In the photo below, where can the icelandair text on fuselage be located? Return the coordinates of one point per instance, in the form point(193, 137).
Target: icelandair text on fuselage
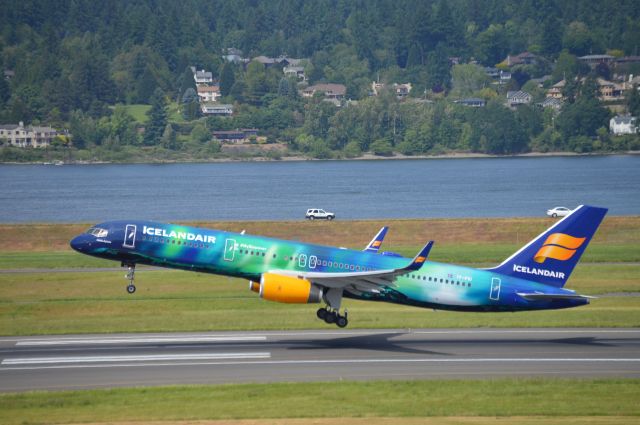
point(539, 272)
point(152, 231)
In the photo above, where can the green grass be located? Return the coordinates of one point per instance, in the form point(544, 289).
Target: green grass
point(138, 112)
point(502, 398)
point(51, 260)
point(166, 300)
point(457, 254)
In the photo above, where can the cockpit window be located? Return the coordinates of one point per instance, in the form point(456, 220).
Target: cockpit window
point(98, 232)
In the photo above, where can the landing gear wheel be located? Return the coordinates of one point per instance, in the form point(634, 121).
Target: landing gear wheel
point(322, 313)
point(331, 317)
point(342, 322)
point(130, 276)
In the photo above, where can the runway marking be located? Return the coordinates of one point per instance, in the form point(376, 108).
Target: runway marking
point(328, 361)
point(139, 358)
point(130, 340)
point(311, 333)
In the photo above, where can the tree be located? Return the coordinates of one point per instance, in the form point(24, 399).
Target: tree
point(168, 139)
point(633, 101)
point(577, 38)
point(5, 92)
point(582, 118)
point(256, 82)
point(227, 79)
point(567, 66)
point(467, 79)
point(157, 119)
point(381, 147)
point(190, 105)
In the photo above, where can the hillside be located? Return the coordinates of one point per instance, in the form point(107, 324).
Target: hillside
point(330, 78)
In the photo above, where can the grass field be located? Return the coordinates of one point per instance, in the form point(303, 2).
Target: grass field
point(475, 401)
point(138, 112)
point(77, 301)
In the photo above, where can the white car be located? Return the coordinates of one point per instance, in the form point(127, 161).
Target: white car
point(558, 212)
point(317, 213)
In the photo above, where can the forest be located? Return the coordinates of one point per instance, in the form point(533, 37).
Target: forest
point(91, 68)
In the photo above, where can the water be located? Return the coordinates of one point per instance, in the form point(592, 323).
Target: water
point(492, 187)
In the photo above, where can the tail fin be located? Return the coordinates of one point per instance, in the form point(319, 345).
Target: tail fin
point(375, 243)
point(551, 257)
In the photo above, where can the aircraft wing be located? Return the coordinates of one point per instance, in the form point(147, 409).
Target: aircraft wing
point(367, 281)
point(540, 296)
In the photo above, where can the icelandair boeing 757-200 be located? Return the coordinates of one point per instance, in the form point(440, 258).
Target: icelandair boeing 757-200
point(294, 272)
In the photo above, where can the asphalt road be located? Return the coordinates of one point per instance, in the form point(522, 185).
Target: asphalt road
point(98, 361)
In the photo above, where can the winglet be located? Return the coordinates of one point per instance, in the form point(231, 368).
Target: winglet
point(375, 243)
point(419, 259)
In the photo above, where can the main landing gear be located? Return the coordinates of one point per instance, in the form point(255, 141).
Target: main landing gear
point(333, 316)
point(331, 313)
point(130, 276)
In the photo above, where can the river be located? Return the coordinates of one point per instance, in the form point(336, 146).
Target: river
point(425, 188)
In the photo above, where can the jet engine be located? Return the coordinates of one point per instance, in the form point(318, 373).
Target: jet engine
point(286, 289)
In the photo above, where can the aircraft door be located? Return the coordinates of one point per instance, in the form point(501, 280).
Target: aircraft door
point(229, 249)
point(129, 236)
point(495, 289)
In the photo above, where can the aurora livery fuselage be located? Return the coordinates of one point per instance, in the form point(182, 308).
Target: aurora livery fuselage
point(289, 271)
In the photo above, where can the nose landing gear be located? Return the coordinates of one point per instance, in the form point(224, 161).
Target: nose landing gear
point(130, 276)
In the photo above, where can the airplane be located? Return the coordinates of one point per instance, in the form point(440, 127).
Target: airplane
point(533, 278)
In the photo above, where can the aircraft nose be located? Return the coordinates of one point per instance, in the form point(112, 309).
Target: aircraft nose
point(78, 243)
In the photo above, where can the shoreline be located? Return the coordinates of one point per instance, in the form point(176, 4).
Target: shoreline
point(364, 157)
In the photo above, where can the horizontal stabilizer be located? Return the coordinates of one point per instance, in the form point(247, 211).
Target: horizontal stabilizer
point(538, 296)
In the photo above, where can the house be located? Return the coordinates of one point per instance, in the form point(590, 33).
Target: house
point(551, 102)
point(9, 74)
point(595, 60)
point(540, 81)
point(524, 58)
point(243, 135)
point(556, 90)
point(515, 98)
point(623, 124)
point(233, 55)
point(474, 102)
point(609, 90)
point(294, 71)
point(266, 61)
point(27, 137)
point(505, 77)
point(330, 91)
point(401, 90)
point(202, 77)
point(282, 61)
point(216, 109)
point(209, 93)
point(492, 72)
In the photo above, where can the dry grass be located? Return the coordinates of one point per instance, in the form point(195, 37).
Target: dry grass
point(614, 230)
point(445, 420)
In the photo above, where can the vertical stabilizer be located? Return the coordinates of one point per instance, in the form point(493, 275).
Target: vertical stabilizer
point(551, 257)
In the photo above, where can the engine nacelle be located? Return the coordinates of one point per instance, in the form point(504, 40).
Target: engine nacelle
point(287, 289)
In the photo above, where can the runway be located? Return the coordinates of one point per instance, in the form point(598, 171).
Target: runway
point(101, 361)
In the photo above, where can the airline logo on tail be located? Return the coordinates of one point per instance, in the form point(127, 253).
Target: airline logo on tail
point(558, 246)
